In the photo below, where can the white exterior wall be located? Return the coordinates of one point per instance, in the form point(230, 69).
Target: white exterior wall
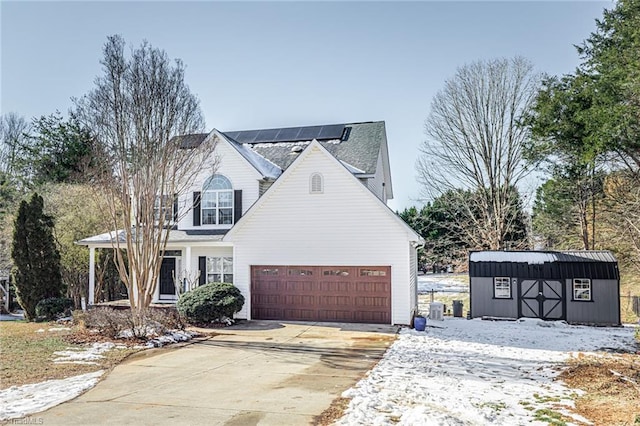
point(375, 183)
point(234, 167)
point(344, 225)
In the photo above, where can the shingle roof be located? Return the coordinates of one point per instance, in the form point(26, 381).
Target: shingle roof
point(540, 257)
point(191, 141)
point(359, 147)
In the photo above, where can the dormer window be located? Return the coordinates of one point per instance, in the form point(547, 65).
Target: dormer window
point(316, 184)
point(217, 201)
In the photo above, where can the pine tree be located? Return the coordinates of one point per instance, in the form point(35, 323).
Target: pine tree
point(36, 259)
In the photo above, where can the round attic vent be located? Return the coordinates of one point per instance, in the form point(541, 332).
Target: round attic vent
point(297, 148)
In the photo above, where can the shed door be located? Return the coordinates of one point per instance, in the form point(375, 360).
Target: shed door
point(544, 299)
point(321, 293)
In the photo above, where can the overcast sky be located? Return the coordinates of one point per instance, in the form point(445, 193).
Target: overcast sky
point(281, 64)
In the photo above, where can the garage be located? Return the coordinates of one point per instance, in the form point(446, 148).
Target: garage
point(321, 293)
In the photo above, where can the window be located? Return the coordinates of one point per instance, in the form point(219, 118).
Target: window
point(372, 273)
point(582, 289)
point(266, 271)
point(336, 272)
point(163, 207)
point(217, 201)
point(315, 184)
point(501, 288)
point(300, 272)
point(219, 269)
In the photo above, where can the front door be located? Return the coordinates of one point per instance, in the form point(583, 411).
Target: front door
point(544, 299)
point(167, 270)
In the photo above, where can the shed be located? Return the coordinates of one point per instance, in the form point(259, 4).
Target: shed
point(581, 287)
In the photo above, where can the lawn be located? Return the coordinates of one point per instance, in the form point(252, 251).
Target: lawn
point(27, 353)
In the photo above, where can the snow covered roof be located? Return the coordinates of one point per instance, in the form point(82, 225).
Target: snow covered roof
point(541, 257)
point(265, 167)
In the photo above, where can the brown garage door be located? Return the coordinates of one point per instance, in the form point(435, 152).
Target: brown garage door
point(321, 293)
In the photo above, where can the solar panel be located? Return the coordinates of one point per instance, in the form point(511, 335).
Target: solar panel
point(308, 133)
point(288, 134)
point(248, 136)
point(266, 135)
point(333, 131)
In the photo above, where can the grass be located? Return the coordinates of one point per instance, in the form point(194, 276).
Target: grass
point(27, 353)
point(610, 398)
point(550, 417)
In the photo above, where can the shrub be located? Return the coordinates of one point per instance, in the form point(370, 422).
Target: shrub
point(54, 307)
point(115, 323)
point(210, 302)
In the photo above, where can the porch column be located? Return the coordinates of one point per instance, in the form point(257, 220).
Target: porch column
point(92, 275)
point(186, 264)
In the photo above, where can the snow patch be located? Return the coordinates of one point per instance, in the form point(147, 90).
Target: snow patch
point(83, 355)
point(19, 401)
point(474, 372)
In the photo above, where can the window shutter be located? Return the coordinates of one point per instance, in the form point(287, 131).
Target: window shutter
point(196, 209)
point(202, 267)
point(237, 205)
point(175, 208)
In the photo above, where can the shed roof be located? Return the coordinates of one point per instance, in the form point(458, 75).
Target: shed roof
point(541, 257)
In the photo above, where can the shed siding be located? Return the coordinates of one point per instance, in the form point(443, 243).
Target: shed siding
point(483, 303)
point(232, 165)
point(344, 225)
point(604, 309)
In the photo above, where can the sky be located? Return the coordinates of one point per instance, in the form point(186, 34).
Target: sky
point(283, 64)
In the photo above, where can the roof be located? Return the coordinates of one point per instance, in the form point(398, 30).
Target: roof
point(271, 151)
point(265, 167)
point(174, 236)
point(541, 257)
point(358, 146)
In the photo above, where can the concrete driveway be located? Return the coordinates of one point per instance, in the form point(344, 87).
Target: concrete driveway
point(256, 372)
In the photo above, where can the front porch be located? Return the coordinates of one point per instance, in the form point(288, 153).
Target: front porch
point(191, 258)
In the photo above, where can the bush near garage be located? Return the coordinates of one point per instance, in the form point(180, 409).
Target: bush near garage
point(211, 302)
point(53, 308)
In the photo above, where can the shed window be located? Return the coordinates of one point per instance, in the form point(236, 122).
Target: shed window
point(502, 288)
point(316, 184)
point(582, 289)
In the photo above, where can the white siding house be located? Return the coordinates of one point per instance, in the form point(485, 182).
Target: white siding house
point(301, 227)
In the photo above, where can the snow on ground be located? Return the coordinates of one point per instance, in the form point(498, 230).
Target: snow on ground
point(475, 372)
point(87, 355)
point(447, 283)
point(19, 401)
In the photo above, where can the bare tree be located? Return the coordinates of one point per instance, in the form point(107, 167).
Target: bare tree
point(138, 106)
point(13, 133)
point(476, 145)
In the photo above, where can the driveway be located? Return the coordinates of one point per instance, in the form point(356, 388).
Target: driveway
point(256, 372)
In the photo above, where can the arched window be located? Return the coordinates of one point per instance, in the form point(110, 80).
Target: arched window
point(315, 184)
point(217, 201)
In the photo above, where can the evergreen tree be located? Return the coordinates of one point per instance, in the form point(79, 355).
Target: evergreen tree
point(36, 272)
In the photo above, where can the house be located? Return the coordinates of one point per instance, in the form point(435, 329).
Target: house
point(581, 287)
point(297, 219)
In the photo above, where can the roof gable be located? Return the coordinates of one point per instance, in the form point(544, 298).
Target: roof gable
point(335, 166)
